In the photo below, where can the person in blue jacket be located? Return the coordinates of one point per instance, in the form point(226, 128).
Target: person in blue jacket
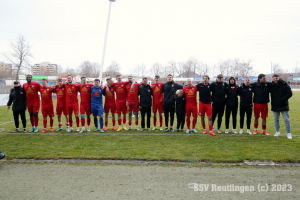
point(96, 104)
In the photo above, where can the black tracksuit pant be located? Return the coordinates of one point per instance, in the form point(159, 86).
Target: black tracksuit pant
point(16, 118)
point(218, 109)
point(180, 120)
point(231, 109)
point(145, 110)
point(169, 109)
point(248, 111)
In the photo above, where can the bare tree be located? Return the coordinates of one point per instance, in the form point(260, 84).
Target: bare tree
point(142, 69)
point(137, 71)
point(221, 67)
point(113, 69)
point(246, 68)
point(85, 68)
point(19, 55)
point(156, 69)
point(181, 68)
point(172, 67)
point(277, 69)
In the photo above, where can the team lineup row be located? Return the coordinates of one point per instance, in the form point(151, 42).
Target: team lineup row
point(124, 97)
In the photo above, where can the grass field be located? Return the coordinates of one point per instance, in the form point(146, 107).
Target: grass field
point(155, 145)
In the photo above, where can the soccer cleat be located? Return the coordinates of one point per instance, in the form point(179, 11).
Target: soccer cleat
point(77, 129)
point(110, 116)
point(133, 116)
point(249, 132)
point(36, 130)
point(218, 131)
point(187, 131)
point(265, 133)
point(254, 132)
point(129, 128)
point(31, 130)
point(114, 128)
point(142, 129)
point(17, 130)
point(71, 128)
point(96, 130)
point(161, 128)
point(106, 128)
point(289, 136)
point(59, 129)
point(82, 130)
point(194, 130)
point(177, 130)
point(68, 129)
point(154, 128)
point(227, 131)
point(101, 130)
point(137, 129)
point(124, 127)
point(204, 131)
point(241, 131)
point(51, 129)
point(166, 129)
point(2, 155)
point(181, 130)
point(119, 129)
point(149, 129)
point(44, 131)
point(277, 134)
point(212, 133)
point(234, 131)
point(213, 128)
point(171, 129)
point(24, 130)
point(88, 128)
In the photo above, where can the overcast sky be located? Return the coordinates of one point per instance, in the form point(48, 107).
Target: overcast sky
point(68, 32)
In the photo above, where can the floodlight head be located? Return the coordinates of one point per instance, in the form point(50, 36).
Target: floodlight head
point(112, 0)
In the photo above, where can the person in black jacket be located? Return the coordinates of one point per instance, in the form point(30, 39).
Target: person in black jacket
point(218, 89)
point(17, 97)
point(145, 92)
point(280, 94)
point(169, 89)
point(180, 109)
point(245, 92)
point(261, 90)
point(231, 104)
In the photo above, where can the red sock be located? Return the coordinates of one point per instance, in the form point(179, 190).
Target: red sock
point(32, 121)
point(255, 125)
point(129, 123)
point(89, 120)
point(71, 122)
point(210, 127)
point(203, 126)
point(124, 120)
point(82, 122)
point(106, 123)
point(264, 127)
point(36, 122)
point(51, 123)
point(45, 123)
point(194, 122)
point(154, 121)
point(119, 122)
point(188, 122)
point(77, 121)
point(136, 123)
point(160, 120)
point(68, 124)
point(114, 122)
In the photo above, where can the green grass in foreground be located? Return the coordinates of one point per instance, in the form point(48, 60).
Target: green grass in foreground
point(151, 147)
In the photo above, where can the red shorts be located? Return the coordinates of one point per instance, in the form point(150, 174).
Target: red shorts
point(85, 108)
point(111, 106)
point(34, 108)
point(72, 107)
point(191, 109)
point(47, 110)
point(205, 108)
point(121, 107)
point(260, 108)
point(61, 109)
point(133, 106)
point(158, 106)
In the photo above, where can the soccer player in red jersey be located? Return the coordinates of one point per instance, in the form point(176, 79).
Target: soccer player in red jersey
point(85, 103)
point(132, 101)
point(61, 103)
point(191, 104)
point(47, 104)
point(120, 89)
point(72, 102)
point(33, 102)
point(110, 103)
point(157, 102)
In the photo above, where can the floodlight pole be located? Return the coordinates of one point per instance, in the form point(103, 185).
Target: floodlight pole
point(105, 39)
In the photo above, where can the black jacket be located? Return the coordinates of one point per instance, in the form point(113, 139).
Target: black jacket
point(218, 92)
point(280, 94)
point(169, 89)
point(232, 92)
point(261, 92)
point(145, 93)
point(17, 97)
point(180, 105)
point(245, 93)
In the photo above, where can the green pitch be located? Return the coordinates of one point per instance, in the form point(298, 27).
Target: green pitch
point(154, 145)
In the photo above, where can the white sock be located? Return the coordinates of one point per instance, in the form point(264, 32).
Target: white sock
point(136, 126)
point(124, 124)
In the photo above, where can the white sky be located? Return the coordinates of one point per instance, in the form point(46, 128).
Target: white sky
point(68, 32)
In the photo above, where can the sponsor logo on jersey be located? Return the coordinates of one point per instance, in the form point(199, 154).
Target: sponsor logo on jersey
point(191, 93)
point(29, 90)
point(97, 93)
point(249, 89)
point(69, 91)
point(33, 86)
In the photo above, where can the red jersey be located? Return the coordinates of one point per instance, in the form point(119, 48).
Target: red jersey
point(61, 95)
point(157, 92)
point(120, 90)
point(46, 94)
point(133, 96)
point(110, 96)
point(71, 93)
point(85, 92)
point(32, 92)
point(190, 95)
